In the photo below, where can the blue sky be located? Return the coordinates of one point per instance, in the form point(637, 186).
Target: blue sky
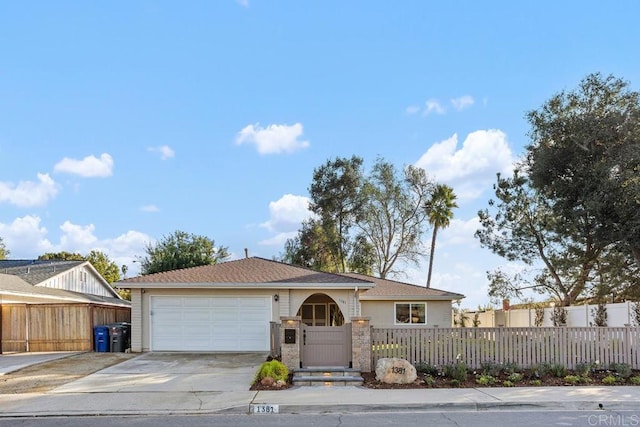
point(121, 122)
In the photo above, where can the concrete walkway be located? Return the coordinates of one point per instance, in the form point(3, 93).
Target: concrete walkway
point(196, 384)
point(316, 400)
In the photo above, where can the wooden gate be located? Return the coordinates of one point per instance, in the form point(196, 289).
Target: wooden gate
point(326, 345)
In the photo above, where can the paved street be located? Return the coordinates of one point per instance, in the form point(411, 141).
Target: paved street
point(441, 418)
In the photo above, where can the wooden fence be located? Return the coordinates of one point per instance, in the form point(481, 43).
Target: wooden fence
point(55, 327)
point(525, 347)
point(274, 338)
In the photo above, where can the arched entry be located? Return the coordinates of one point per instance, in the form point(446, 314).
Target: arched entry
point(320, 310)
point(326, 338)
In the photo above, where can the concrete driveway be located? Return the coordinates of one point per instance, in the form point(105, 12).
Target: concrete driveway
point(173, 372)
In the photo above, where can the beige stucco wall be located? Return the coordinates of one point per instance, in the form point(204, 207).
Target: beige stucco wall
point(342, 297)
point(382, 315)
point(289, 301)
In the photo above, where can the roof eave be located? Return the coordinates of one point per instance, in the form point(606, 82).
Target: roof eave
point(63, 298)
point(268, 285)
point(410, 297)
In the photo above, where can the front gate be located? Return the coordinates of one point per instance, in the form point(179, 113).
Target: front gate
point(326, 345)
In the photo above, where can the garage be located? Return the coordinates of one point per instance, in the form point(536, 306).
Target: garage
point(190, 323)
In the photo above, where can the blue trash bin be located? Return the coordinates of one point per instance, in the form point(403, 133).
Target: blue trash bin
point(101, 338)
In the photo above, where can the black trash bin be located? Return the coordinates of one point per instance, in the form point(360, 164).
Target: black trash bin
point(116, 338)
point(101, 338)
point(126, 331)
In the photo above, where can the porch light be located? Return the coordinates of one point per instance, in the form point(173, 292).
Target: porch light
point(276, 297)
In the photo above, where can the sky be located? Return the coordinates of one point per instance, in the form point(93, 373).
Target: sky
point(122, 122)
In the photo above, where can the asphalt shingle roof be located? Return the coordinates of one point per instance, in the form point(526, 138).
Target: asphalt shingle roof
point(35, 271)
point(394, 289)
point(257, 270)
point(246, 270)
point(14, 285)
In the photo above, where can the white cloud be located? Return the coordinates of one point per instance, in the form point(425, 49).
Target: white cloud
point(29, 193)
point(89, 167)
point(149, 208)
point(285, 217)
point(412, 109)
point(77, 236)
point(25, 237)
point(243, 3)
point(459, 232)
point(462, 102)
point(472, 169)
point(433, 106)
point(164, 151)
point(287, 213)
point(273, 139)
point(279, 239)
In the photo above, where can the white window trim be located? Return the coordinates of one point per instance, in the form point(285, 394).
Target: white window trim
point(410, 323)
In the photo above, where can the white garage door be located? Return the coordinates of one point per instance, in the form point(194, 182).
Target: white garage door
point(210, 323)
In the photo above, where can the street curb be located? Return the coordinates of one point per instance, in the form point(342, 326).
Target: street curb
point(294, 409)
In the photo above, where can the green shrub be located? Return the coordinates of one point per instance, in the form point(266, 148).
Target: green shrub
point(584, 369)
point(536, 382)
point(515, 377)
point(456, 371)
point(507, 383)
point(510, 368)
point(635, 380)
point(455, 383)
point(490, 367)
point(426, 368)
point(622, 369)
point(558, 370)
point(609, 380)
point(542, 369)
point(573, 379)
point(484, 379)
point(429, 380)
point(274, 369)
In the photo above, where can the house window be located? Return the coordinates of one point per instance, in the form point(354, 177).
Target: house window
point(411, 313)
point(314, 314)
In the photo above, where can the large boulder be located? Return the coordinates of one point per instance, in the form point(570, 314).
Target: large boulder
point(395, 371)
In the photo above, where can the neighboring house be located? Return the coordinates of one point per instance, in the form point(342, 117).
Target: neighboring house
point(54, 305)
point(231, 306)
point(50, 281)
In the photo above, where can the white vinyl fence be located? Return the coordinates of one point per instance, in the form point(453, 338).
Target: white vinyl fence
point(525, 347)
point(618, 314)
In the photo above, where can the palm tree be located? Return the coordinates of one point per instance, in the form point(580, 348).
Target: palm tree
point(440, 211)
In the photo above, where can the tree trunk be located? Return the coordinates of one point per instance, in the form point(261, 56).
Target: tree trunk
point(433, 249)
point(635, 250)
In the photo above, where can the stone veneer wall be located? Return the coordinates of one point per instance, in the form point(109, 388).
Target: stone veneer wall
point(361, 343)
point(290, 352)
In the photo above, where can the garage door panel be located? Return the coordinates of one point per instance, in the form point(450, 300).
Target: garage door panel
point(223, 314)
point(195, 303)
point(252, 316)
point(196, 315)
point(210, 323)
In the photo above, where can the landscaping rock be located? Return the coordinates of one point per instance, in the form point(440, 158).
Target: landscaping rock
point(395, 371)
point(267, 381)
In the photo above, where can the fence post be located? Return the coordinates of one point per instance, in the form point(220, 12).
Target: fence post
point(627, 346)
point(291, 356)
point(361, 343)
